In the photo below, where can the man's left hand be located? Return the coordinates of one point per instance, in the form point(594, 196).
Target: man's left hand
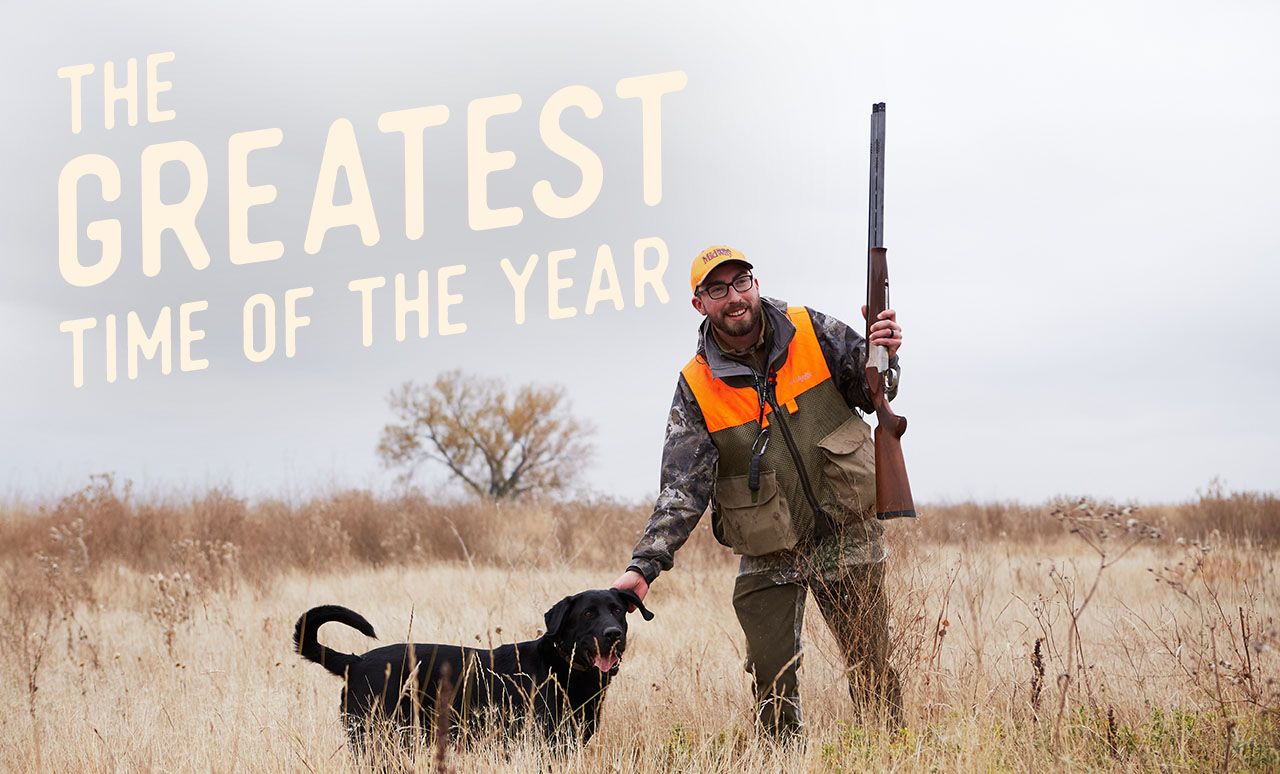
point(886, 332)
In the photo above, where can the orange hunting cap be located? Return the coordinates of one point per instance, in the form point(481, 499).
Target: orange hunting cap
point(710, 258)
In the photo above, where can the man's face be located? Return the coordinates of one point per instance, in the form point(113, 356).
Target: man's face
point(736, 315)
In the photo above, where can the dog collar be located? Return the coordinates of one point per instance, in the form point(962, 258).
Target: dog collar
point(568, 657)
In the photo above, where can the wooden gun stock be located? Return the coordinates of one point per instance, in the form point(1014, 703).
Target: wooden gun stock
point(893, 490)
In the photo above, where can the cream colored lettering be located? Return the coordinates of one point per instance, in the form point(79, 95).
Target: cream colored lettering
point(155, 86)
point(113, 92)
point(604, 270)
point(159, 341)
point(341, 153)
point(519, 283)
point(652, 277)
point(649, 90)
point(186, 335)
point(180, 216)
point(139, 343)
point(556, 140)
point(481, 162)
point(411, 124)
point(555, 283)
point(77, 328)
point(604, 287)
point(365, 288)
point(267, 304)
point(107, 232)
point(128, 93)
point(446, 300)
point(419, 305)
point(292, 320)
point(76, 74)
point(111, 349)
point(241, 196)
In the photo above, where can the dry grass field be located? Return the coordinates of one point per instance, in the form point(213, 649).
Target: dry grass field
point(156, 636)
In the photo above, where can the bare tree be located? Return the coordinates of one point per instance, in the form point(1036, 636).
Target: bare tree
point(501, 444)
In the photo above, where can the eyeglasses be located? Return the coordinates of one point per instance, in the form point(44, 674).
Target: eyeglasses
point(741, 283)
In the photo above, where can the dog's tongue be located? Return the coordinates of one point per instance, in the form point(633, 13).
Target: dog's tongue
point(605, 663)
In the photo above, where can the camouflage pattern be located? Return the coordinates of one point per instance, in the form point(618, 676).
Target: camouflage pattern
point(689, 460)
point(846, 354)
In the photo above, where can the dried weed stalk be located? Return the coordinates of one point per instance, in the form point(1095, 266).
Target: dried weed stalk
point(1111, 532)
point(1227, 652)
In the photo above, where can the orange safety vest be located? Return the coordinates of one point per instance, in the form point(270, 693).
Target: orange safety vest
point(724, 406)
point(778, 514)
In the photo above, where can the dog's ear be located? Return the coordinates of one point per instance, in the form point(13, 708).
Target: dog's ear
point(554, 617)
point(631, 597)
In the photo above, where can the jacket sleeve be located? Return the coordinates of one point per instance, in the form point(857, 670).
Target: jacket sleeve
point(689, 461)
point(845, 351)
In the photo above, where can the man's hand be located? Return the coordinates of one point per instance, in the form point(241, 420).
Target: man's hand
point(634, 581)
point(885, 332)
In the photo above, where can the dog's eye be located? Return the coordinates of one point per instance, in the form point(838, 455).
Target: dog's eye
point(615, 610)
point(588, 614)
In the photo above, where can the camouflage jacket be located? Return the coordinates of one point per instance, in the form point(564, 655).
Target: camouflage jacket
point(689, 459)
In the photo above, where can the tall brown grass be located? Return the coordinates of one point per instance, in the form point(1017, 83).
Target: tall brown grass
point(217, 534)
point(142, 633)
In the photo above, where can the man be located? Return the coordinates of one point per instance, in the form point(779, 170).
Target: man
point(765, 428)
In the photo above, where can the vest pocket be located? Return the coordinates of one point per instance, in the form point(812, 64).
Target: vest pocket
point(849, 472)
point(758, 527)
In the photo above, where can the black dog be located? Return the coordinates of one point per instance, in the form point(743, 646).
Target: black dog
point(558, 679)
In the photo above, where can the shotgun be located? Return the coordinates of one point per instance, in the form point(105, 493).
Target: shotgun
point(893, 490)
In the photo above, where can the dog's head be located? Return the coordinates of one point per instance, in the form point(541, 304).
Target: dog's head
point(590, 628)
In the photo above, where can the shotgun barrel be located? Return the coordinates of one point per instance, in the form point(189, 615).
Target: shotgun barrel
point(875, 203)
point(893, 489)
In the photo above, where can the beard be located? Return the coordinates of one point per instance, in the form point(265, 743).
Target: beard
point(737, 326)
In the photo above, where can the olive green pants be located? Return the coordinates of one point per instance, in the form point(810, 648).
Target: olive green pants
point(856, 610)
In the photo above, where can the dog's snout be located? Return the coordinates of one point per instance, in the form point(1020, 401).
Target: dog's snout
point(613, 634)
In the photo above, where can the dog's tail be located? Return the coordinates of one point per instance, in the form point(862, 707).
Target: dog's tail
point(304, 636)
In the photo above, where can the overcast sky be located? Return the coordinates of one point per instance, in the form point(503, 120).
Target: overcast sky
point(1081, 223)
